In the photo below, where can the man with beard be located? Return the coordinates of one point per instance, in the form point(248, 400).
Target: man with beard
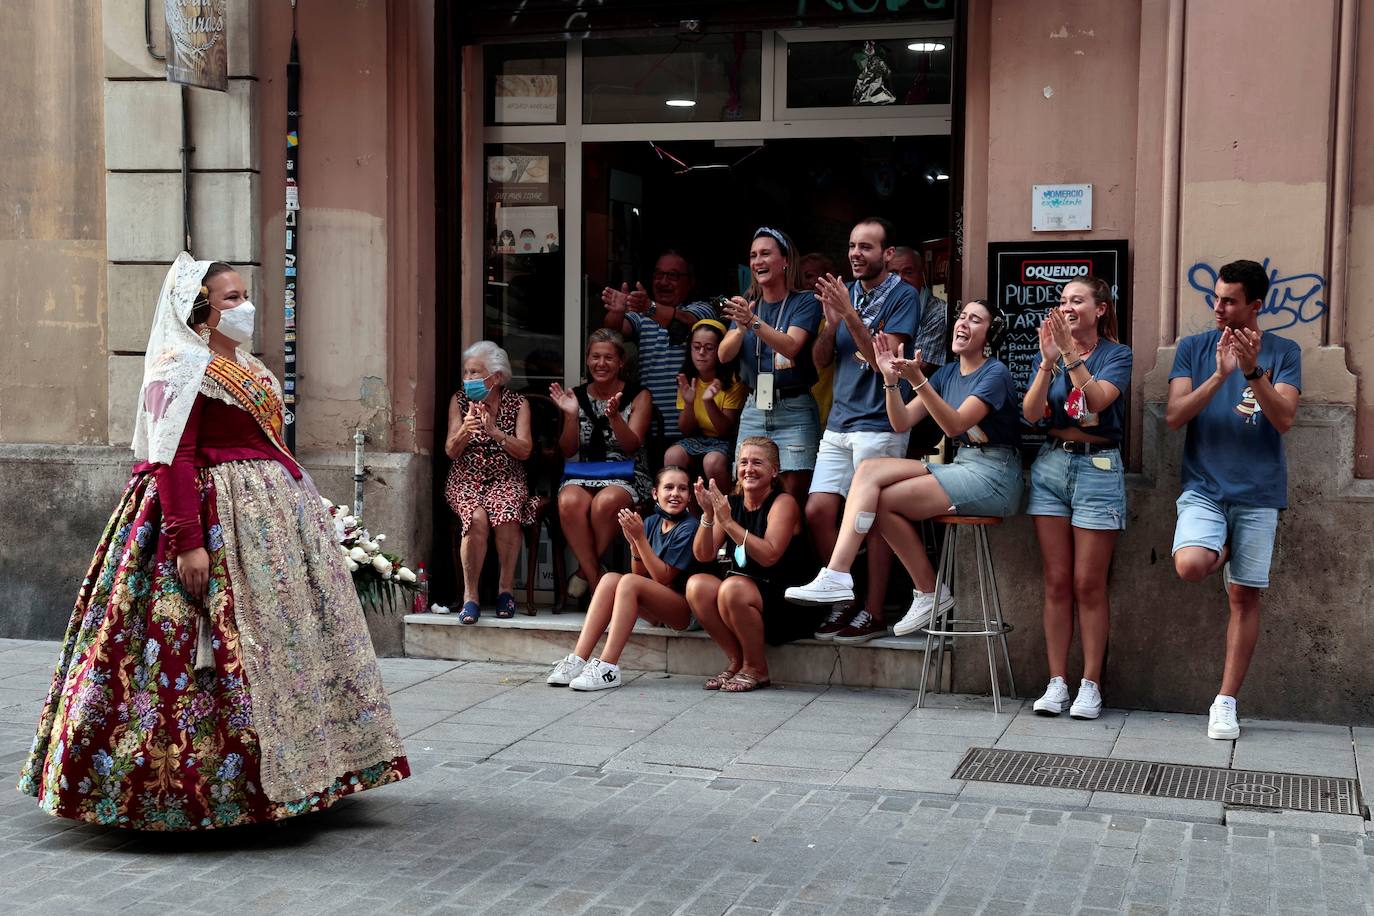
point(876, 302)
point(1236, 388)
point(660, 324)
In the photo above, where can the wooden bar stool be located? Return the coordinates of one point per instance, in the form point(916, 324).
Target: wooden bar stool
point(990, 626)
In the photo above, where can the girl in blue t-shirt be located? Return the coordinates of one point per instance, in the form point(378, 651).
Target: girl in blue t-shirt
point(1078, 484)
point(973, 400)
point(660, 552)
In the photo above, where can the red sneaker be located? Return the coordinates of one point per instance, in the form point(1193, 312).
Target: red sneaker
point(835, 622)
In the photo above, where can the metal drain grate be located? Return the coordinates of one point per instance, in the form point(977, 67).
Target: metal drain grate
point(1290, 791)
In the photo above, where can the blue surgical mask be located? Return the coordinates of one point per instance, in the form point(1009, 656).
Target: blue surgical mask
point(476, 389)
point(740, 556)
point(664, 513)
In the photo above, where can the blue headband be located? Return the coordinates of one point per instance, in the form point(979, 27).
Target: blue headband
point(775, 235)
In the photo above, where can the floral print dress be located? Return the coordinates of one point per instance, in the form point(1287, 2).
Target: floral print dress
point(488, 477)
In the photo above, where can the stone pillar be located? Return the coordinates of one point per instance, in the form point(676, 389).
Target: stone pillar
point(143, 213)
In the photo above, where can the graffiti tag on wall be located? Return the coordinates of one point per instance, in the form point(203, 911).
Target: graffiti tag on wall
point(1293, 299)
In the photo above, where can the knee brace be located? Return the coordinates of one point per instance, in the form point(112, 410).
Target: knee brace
point(863, 522)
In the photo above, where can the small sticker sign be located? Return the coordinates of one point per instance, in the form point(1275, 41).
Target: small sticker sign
point(1061, 207)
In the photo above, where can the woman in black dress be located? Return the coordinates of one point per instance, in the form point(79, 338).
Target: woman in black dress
point(758, 527)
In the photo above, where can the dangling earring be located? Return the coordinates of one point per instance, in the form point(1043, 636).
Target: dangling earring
point(987, 351)
point(204, 334)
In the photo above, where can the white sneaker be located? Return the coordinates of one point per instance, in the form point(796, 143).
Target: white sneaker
point(1221, 722)
point(1055, 699)
point(922, 611)
point(566, 669)
point(1088, 703)
point(826, 588)
point(598, 675)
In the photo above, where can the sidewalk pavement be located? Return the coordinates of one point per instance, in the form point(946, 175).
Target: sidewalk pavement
point(659, 797)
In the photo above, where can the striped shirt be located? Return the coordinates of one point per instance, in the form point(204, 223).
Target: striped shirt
point(660, 361)
point(930, 333)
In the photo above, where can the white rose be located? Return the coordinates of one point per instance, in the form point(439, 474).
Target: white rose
point(380, 538)
point(369, 546)
point(328, 506)
point(405, 575)
point(352, 567)
point(382, 565)
point(357, 555)
point(349, 521)
point(343, 510)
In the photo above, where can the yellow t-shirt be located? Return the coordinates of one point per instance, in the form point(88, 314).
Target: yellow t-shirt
point(731, 398)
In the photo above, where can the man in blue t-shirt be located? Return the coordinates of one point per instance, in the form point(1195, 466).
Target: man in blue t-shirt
point(877, 302)
point(661, 324)
point(1237, 389)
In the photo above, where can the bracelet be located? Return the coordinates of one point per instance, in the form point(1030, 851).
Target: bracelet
point(1069, 367)
point(635, 557)
point(924, 382)
point(706, 524)
point(892, 387)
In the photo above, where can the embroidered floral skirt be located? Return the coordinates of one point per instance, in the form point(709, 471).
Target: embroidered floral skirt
point(291, 716)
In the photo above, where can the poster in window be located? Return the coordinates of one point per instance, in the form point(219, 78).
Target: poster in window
point(526, 230)
point(526, 98)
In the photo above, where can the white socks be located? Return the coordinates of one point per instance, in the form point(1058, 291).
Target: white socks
point(841, 577)
point(1225, 700)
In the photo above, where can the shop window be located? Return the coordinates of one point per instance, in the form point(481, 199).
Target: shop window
point(672, 79)
point(865, 75)
point(526, 83)
point(523, 243)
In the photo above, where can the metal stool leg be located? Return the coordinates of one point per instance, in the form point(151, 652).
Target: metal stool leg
point(1001, 624)
point(983, 559)
point(945, 574)
point(934, 642)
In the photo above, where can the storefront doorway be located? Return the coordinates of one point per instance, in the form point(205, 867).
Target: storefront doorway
point(583, 159)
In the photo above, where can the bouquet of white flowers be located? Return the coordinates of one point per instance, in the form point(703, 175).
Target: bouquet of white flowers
point(377, 575)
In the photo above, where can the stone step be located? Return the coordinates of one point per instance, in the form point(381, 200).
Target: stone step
point(890, 661)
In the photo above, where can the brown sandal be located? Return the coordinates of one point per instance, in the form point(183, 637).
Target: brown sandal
point(720, 680)
point(744, 683)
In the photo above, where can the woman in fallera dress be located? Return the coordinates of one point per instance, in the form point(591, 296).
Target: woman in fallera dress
point(217, 669)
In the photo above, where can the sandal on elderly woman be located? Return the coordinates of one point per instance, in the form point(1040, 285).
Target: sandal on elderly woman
point(744, 683)
point(720, 680)
point(505, 605)
point(471, 611)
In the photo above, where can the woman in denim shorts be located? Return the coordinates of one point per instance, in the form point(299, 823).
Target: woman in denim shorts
point(771, 331)
point(973, 399)
point(1078, 485)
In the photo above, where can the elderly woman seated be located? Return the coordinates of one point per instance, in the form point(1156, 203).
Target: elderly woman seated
point(488, 438)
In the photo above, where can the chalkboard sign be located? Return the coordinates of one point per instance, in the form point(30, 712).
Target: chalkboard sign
point(1025, 280)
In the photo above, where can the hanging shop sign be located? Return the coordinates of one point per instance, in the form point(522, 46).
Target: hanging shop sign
point(197, 44)
point(1025, 280)
point(1061, 207)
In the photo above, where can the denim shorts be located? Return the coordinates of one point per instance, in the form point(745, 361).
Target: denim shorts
point(793, 423)
point(1089, 490)
point(696, 446)
point(1203, 522)
point(841, 454)
point(982, 481)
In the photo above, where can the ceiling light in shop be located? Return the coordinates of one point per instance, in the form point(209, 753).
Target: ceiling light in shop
point(927, 46)
point(680, 103)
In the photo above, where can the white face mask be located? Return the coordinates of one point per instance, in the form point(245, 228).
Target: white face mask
point(237, 323)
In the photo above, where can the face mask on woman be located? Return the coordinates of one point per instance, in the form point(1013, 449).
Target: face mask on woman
point(476, 388)
point(237, 323)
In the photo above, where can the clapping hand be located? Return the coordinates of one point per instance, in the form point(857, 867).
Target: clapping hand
point(1245, 346)
point(1060, 332)
point(487, 418)
point(616, 300)
point(686, 390)
point(472, 421)
point(887, 358)
point(720, 503)
point(564, 398)
point(1227, 360)
point(740, 311)
point(711, 391)
point(613, 404)
point(834, 296)
point(1049, 350)
point(631, 526)
point(703, 497)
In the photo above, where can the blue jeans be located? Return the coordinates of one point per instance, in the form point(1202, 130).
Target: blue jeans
point(1089, 490)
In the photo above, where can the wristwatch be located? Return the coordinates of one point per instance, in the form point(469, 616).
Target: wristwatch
point(754, 326)
point(652, 309)
point(1252, 376)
